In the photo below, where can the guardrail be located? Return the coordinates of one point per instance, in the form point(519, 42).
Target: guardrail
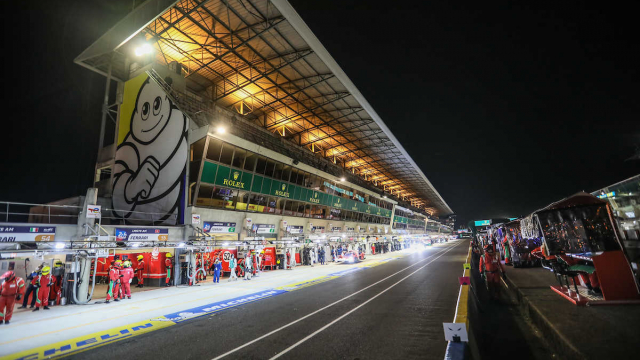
point(459, 350)
point(18, 212)
point(39, 213)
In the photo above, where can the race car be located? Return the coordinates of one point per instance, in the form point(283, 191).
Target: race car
point(350, 257)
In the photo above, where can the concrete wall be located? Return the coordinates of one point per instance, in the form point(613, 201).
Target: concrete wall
point(238, 217)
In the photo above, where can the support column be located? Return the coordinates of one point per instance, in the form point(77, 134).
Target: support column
point(84, 269)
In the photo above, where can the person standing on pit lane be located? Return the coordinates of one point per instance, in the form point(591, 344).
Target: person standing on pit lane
point(127, 277)
point(247, 267)
point(492, 268)
point(11, 290)
point(114, 282)
point(33, 280)
point(44, 286)
point(232, 267)
point(140, 270)
point(217, 268)
point(168, 264)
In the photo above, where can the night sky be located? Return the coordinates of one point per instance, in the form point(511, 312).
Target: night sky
point(506, 108)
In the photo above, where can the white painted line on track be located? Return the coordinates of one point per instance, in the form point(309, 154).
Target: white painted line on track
point(357, 307)
point(326, 307)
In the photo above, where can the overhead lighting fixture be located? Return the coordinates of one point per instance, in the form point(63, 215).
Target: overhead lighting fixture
point(144, 49)
point(342, 179)
point(59, 245)
point(221, 130)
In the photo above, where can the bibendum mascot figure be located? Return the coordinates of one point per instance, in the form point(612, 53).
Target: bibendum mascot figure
point(151, 161)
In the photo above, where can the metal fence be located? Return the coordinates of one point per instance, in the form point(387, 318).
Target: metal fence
point(17, 212)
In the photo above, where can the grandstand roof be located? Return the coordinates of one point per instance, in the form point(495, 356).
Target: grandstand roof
point(259, 58)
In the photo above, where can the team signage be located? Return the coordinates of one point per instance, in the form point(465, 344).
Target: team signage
point(195, 219)
point(219, 227)
point(337, 189)
point(94, 211)
point(281, 190)
point(350, 229)
point(314, 197)
point(265, 228)
point(482, 222)
point(140, 234)
point(317, 229)
point(336, 229)
point(295, 229)
point(235, 180)
point(607, 195)
point(27, 234)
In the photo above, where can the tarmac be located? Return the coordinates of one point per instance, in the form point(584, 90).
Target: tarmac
point(71, 329)
point(575, 332)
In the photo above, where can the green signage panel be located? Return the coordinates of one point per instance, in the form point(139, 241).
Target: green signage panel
point(338, 202)
point(233, 178)
point(221, 175)
point(314, 197)
point(257, 184)
point(280, 189)
point(482, 222)
point(209, 172)
point(266, 186)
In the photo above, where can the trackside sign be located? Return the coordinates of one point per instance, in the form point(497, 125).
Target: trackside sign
point(218, 306)
point(10, 234)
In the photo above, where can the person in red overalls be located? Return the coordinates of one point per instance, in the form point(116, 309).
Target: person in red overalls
point(44, 284)
point(492, 268)
point(507, 253)
point(127, 277)
point(287, 265)
point(114, 281)
point(169, 266)
point(253, 262)
point(56, 288)
point(140, 270)
point(200, 275)
point(207, 265)
point(11, 290)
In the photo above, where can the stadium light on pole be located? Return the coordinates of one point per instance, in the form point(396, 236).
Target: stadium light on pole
point(144, 49)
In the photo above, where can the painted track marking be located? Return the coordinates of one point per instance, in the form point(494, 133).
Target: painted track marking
point(324, 308)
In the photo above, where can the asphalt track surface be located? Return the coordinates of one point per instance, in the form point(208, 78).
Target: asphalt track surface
point(396, 312)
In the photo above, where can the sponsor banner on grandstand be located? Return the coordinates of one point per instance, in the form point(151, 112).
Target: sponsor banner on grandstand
point(94, 211)
point(150, 162)
point(27, 234)
point(219, 227)
point(142, 234)
point(294, 229)
point(264, 228)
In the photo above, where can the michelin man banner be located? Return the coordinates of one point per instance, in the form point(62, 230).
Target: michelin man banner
point(150, 164)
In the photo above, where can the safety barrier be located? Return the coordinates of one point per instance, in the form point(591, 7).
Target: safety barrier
point(459, 350)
